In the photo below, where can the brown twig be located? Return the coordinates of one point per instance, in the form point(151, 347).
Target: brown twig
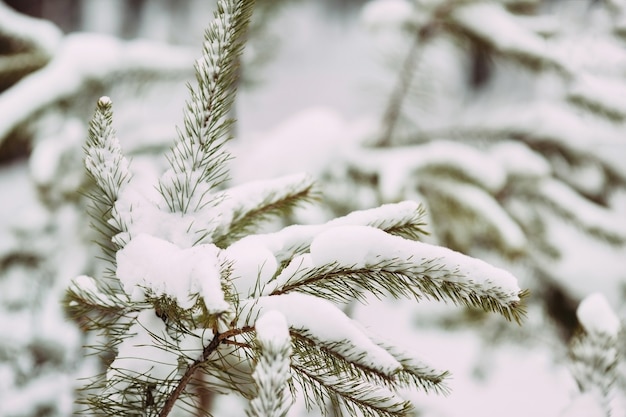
point(218, 339)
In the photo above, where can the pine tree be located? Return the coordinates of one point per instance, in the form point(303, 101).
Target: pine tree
point(506, 127)
point(194, 298)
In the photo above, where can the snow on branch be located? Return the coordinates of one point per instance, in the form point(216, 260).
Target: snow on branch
point(550, 126)
point(505, 34)
point(110, 171)
point(104, 159)
point(602, 95)
point(37, 33)
point(244, 207)
point(95, 308)
point(149, 267)
point(76, 63)
point(404, 219)
point(197, 160)
point(344, 393)
point(595, 352)
point(414, 371)
point(345, 262)
point(474, 203)
point(591, 217)
point(328, 327)
point(394, 165)
point(272, 372)
point(28, 44)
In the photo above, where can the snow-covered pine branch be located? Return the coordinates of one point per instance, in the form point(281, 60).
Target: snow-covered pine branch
point(109, 169)
point(272, 373)
point(245, 206)
point(346, 262)
point(197, 159)
point(501, 163)
point(505, 34)
point(76, 65)
point(196, 295)
point(28, 44)
point(595, 352)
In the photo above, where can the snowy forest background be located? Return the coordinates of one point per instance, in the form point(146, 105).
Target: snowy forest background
point(506, 119)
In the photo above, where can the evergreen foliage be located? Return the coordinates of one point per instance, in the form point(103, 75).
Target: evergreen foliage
point(595, 353)
point(501, 123)
point(65, 72)
point(194, 298)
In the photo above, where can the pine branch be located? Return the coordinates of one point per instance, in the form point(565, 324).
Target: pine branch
point(93, 308)
point(27, 44)
point(594, 351)
point(272, 370)
point(346, 261)
point(433, 280)
point(343, 338)
point(247, 206)
point(307, 349)
point(405, 219)
point(356, 397)
point(16, 66)
point(405, 77)
point(515, 42)
point(601, 96)
point(414, 372)
point(592, 218)
point(197, 161)
point(110, 172)
point(473, 206)
point(189, 372)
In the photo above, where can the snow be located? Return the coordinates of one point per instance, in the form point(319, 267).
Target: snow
point(365, 247)
point(325, 323)
point(82, 57)
point(395, 165)
point(142, 210)
point(144, 353)
point(519, 160)
point(272, 329)
point(252, 265)
point(235, 203)
point(503, 31)
point(607, 94)
point(596, 316)
point(590, 216)
point(380, 14)
point(42, 33)
point(585, 405)
point(296, 238)
point(484, 207)
point(149, 266)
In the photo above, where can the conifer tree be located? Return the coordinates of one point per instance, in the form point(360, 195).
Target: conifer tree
point(193, 296)
point(504, 124)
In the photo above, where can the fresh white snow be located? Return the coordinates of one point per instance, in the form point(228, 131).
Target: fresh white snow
point(596, 316)
point(149, 266)
point(326, 324)
point(366, 247)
